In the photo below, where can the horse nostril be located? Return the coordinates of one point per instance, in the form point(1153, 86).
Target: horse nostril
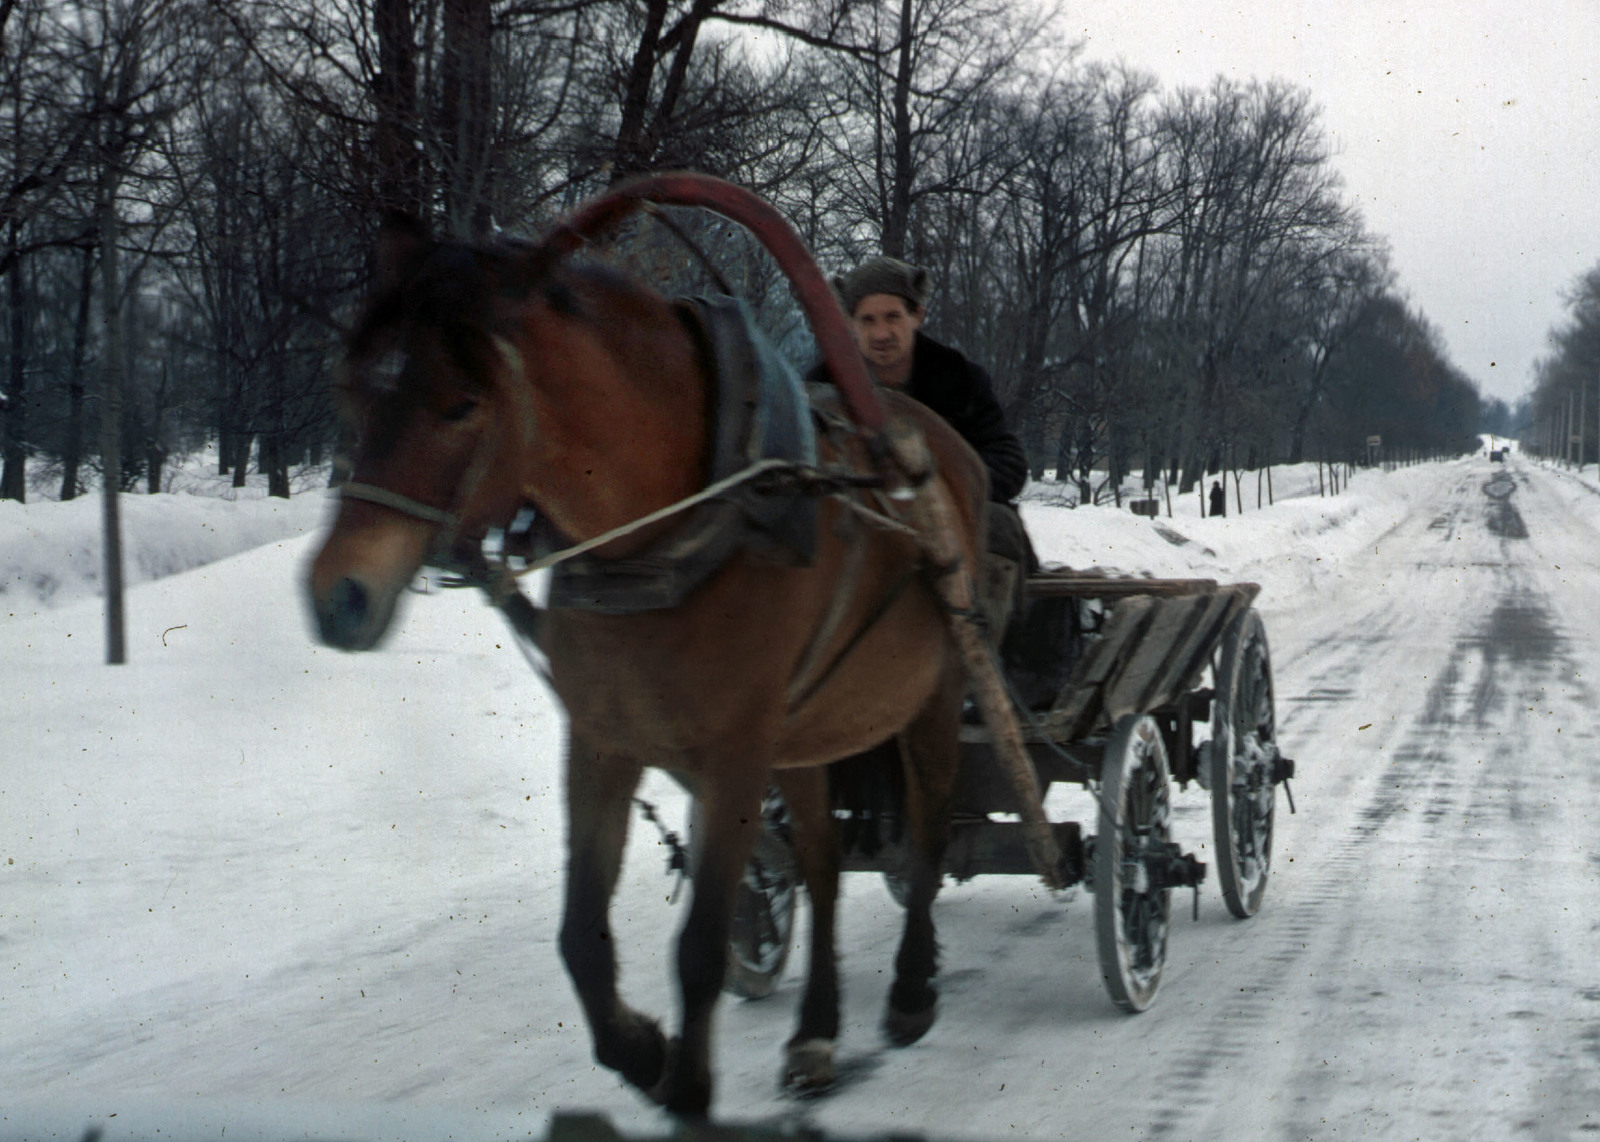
point(350, 597)
point(343, 615)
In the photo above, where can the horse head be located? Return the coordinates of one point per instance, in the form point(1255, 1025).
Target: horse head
point(483, 377)
point(430, 390)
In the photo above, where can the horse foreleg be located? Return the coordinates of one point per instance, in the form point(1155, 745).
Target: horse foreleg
point(930, 750)
point(730, 814)
point(808, 1064)
point(599, 801)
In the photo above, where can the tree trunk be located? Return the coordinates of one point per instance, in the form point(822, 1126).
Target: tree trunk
point(1031, 433)
point(14, 475)
point(467, 110)
point(688, 33)
point(399, 173)
point(274, 442)
point(241, 458)
point(72, 447)
point(155, 452)
point(274, 463)
point(627, 157)
point(897, 219)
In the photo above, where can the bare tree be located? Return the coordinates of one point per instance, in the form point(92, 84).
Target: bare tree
point(911, 112)
point(46, 143)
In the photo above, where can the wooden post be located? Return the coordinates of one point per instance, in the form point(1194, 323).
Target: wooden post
point(1566, 449)
point(111, 417)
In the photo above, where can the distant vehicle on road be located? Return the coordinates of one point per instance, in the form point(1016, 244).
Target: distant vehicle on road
point(1497, 456)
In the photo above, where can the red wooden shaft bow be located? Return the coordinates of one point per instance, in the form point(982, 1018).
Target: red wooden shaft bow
point(816, 298)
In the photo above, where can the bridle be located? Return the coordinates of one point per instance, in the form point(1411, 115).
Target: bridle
point(494, 572)
point(442, 546)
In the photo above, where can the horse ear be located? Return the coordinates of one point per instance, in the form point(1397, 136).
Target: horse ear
point(402, 244)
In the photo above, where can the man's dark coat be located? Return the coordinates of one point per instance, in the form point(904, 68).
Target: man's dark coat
point(961, 392)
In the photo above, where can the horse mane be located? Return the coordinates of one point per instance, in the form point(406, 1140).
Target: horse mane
point(447, 287)
point(452, 287)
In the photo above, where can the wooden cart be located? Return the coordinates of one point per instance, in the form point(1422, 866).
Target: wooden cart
point(1143, 662)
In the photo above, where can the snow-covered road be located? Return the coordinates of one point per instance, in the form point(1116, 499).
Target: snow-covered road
point(249, 870)
point(1426, 965)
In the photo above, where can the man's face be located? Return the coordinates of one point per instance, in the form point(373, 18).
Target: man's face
point(886, 328)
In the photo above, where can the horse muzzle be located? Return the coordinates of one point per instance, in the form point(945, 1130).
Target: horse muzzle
point(356, 581)
point(351, 616)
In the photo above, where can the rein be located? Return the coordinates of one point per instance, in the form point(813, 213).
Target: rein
point(405, 505)
point(709, 492)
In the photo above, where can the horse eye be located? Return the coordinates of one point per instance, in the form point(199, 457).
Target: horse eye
point(384, 373)
point(460, 410)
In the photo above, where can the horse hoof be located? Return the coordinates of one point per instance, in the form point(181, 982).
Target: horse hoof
point(808, 1069)
point(686, 1095)
point(641, 1054)
point(903, 1028)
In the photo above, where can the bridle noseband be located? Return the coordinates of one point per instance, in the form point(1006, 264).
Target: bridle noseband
point(405, 505)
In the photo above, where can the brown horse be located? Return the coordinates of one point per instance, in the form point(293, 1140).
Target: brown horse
point(484, 377)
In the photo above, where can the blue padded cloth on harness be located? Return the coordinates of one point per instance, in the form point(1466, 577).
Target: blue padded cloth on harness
point(759, 410)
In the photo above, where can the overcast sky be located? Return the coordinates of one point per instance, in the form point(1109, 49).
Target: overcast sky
point(1468, 133)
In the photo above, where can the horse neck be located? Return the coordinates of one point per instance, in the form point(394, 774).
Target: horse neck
point(619, 412)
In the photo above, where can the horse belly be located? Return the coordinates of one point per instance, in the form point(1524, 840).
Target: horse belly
point(724, 672)
point(867, 702)
point(665, 698)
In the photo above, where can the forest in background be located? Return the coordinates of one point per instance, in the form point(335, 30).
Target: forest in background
point(1168, 282)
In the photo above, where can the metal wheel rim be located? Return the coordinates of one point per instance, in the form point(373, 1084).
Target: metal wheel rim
point(1244, 797)
point(763, 919)
point(1135, 812)
point(762, 931)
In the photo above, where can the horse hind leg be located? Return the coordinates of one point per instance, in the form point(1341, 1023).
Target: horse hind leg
point(599, 801)
point(808, 1058)
point(930, 753)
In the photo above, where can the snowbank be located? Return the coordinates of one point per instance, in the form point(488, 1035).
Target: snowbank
point(50, 552)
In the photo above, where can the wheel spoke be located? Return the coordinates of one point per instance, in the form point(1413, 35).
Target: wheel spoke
point(1131, 910)
point(1241, 760)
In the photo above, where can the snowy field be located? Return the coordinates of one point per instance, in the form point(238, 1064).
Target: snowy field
point(262, 881)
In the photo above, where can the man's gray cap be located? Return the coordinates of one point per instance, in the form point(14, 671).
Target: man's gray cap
point(883, 275)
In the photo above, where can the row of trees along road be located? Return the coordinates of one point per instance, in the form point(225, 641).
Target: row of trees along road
point(1560, 419)
point(1166, 281)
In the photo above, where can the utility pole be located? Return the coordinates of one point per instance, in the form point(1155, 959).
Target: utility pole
point(111, 419)
point(1583, 413)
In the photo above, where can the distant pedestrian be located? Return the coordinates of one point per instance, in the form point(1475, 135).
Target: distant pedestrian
point(1219, 499)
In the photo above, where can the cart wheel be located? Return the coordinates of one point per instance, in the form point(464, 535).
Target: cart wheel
point(1130, 910)
point(1241, 760)
point(763, 913)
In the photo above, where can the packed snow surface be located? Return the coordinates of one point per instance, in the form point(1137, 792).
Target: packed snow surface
point(245, 875)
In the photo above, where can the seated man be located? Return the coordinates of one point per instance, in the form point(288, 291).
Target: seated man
point(884, 298)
